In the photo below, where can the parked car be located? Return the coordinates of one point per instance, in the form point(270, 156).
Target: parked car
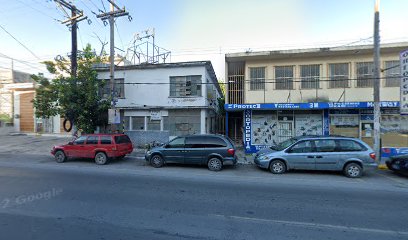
point(215, 151)
point(100, 147)
point(398, 164)
point(350, 155)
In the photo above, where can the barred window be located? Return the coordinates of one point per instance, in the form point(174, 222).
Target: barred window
point(184, 86)
point(365, 71)
point(310, 76)
point(339, 75)
point(119, 88)
point(392, 74)
point(257, 78)
point(284, 77)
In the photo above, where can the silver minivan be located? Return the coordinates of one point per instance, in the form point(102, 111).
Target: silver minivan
point(350, 155)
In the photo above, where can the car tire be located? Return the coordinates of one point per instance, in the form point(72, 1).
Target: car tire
point(353, 170)
point(60, 156)
point(157, 161)
point(214, 164)
point(277, 167)
point(101, 158)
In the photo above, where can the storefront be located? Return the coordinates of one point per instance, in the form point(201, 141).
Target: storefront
point(268, 124)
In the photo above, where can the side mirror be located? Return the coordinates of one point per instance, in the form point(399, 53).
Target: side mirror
point(71, 143)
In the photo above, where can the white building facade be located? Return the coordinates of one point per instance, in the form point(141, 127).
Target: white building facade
point(275, 95)
point(160, 101)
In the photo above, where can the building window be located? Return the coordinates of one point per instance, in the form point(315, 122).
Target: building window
point(392, 74)
point(284, 77)
point(365, 75)
point(119, 88)
point(310, 76)
point(257, 78)
point(153, 124)
point(339, 75)
point(185, 86)
point(182, 122)
point(138, 123)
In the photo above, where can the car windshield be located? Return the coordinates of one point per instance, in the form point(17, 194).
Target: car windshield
point(284, 144)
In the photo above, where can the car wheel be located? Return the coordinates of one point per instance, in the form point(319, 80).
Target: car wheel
point(157, 161)
point(214, 164)
point(60, 157)
point(277, 167)
point(353, 170)
point(101, 158)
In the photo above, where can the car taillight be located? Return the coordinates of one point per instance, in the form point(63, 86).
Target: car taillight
point(231, 151)
point(372, 155)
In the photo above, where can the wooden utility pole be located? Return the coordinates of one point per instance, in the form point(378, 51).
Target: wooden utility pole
point(377, 70)
point(115, 12)
point(76, 16)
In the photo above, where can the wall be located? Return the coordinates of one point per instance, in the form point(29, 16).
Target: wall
point(352, 93)
point(148, 95)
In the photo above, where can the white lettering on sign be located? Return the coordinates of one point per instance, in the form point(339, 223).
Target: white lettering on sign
point(404, 82)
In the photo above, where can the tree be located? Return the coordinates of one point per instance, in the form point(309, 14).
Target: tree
point(76, 99)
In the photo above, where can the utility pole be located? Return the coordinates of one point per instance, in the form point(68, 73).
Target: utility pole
point(115, 11)
point(377, 70)
point(76, 16)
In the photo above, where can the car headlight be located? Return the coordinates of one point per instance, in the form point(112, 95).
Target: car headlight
point(148, 152)
point(263, 157)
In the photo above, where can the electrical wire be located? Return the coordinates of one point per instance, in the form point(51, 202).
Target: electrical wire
point(19, 42)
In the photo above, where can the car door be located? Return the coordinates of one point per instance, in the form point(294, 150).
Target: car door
point(174, 150)
point(349, 149)
point(90, 145)
point(326, 157)
point(195, 149)
point(78, 147)
point(301, 155)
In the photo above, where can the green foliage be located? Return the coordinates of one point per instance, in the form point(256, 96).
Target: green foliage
point(73, 98)
point(5, 117)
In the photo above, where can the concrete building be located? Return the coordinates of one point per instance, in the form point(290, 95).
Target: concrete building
point(275, 95)
point(160, 101)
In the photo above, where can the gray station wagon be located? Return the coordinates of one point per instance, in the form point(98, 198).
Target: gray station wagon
point(211, 150)
point(350, 155)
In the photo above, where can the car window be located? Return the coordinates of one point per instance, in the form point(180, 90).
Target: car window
point(215, 142)
point(195, 142)
point(349, 146)
point(325, 145)
point(92, 140)
point(176, 143)
point(122, 139)
point(302, 147)
point(80, 140)
point(106, 140)
point(284, 144)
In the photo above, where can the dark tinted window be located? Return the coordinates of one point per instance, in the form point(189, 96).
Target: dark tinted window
point(122, 139)
point(176, 143)
point(325, 145)
point(302, 147)
point(349, 146)
point(214, 142)
point(92, 140)
point(80, 140)
point(106, 139)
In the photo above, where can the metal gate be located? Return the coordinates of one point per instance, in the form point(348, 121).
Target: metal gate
point(285, 131)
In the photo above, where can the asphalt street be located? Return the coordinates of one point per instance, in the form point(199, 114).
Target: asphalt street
point(41, 199)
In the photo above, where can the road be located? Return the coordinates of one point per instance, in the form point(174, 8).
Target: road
point(41, 199)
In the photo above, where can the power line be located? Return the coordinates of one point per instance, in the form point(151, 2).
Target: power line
point(19, 41)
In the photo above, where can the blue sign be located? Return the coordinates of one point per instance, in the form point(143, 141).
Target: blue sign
point(305, 106)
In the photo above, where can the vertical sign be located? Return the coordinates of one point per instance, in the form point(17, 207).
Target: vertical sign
point(404, 82)
point(247, 129)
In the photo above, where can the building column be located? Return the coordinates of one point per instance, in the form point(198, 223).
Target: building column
point(202, 121)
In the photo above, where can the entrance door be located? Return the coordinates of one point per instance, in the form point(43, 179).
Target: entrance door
point(285, 131)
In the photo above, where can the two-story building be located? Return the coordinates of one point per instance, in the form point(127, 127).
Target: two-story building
point(275, 95)
point(160, 101)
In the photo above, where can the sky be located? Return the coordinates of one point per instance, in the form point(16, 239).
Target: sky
point(197, 29)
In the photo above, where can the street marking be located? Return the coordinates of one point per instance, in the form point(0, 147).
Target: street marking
point(313, 225)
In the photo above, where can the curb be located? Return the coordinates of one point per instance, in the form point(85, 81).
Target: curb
point(382, 167)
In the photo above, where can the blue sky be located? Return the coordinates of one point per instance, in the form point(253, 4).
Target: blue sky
point(200, 29)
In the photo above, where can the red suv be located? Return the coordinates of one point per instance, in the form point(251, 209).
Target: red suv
point(100, 147)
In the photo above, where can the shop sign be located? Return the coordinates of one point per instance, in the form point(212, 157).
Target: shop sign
point(155, 115)
point(321, 105)
point(247, 129)
point(113, 116)
point(404, 82)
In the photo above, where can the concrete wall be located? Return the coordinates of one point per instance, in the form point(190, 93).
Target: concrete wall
point(141, 138)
